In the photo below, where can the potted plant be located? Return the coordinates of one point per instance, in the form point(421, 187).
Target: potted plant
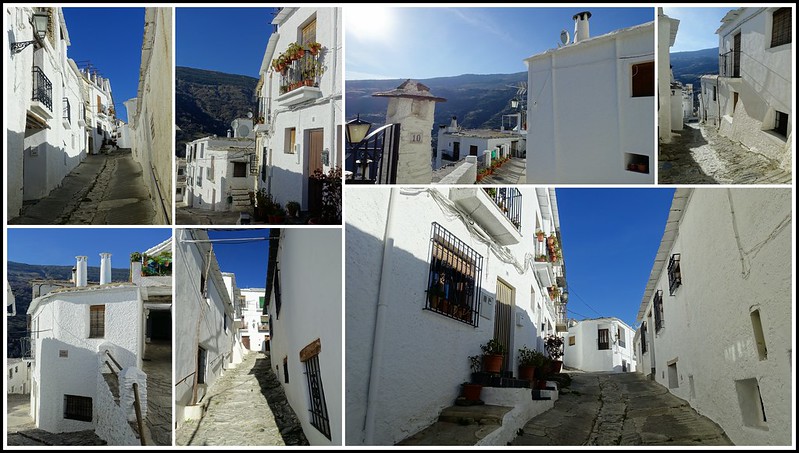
point(277, 214)
point(554, 345)
point(526, 363)
point(541, 258)
point(314, 47)
point(330, 212)
point(540, 235)
point(472, 391)
point(493, 354)
point(543, 371)
point(293, 207)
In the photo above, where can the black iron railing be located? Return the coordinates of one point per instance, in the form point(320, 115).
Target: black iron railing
point(675, 276)
point(305, 71)
point(67, 111)
point(318, 410)
point(730, 64)
point(374, 160)
point(560, 313)
point(509, 201)
point(658, 302)
point(453, 285)
point(42, 88)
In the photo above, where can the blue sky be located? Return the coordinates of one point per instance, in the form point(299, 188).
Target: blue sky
point(402, 42)
point(697, 29)
point(111, 39)
point(610, 238)
point(231, 40)
point(60, 246)
point(247, 260)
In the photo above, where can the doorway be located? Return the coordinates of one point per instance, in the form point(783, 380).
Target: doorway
point(503, 320)
point(316, 142)
point(456, 151)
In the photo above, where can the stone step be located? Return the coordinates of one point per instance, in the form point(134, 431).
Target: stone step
point(483, 414)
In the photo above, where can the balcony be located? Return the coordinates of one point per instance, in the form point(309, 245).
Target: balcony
point(494, 218)
point(41, 108)
point(730, 64)
point(300, 71)
point(560, 318)
point(27, 346)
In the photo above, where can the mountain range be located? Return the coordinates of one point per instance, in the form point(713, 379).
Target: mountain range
point(689, 67)
point(19, 277)
point(207, 101)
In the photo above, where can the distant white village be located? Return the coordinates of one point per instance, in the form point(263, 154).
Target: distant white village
point(45, 147)
point(281, 161)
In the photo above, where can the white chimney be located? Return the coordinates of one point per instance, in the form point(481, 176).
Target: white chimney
point(105, 268)
point(74, 270)
point(229, 133)
point(581, 26)
point(453, 125)
point(81, 274)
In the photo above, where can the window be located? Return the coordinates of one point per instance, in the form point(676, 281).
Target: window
point(263, 165)
point(781, 123)
point(675, 276)
point(760, 339)
point(753, 411)
point(202, 150)
point(714, 93)
point(97, 321)
point(202, 359)
point(643, 79)
point(781, 27)
point(285, 370)
point(261, 302)
point(179, 191)
point(276, 287)
point(453, 285)
point(239, 169)
point(643, 337)
point(603, 339)
point(621, 335)
point(658, 310)
point(78, 408)
point(200, 177)
point(313, 374)
point(224, 322)
point(308, 33)
point(210, 173)
point(674, 381)
point(289, 140)
point(180, 172)
point(572, 340)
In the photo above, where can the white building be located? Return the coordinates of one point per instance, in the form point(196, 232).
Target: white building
point(603, 344)
point(670, 97)
point(45, 122)
point(71, 328)
point(255, 330)
point(204, 334)
point(305, 326)
point(408, 348)
point(19, 376)
point(300, 108)
point(709, 111)
point(219, 173)
point(10, 301)
point(150, 122)
point(591, 108)
point(180, 180)
point(237, 349)
point(688, 102)
point(456, 142)
point(754, 83)
point(716, 313)
point(102, 124)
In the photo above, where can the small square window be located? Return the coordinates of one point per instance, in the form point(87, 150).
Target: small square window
point(239, 169)
point(289, 140)
point(781, 123)
point(572, 340)
point(78, 408)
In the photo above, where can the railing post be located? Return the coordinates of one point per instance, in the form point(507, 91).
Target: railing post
point(137, 407)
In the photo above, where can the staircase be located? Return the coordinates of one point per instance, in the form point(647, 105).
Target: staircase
point(241, 200)
point(460, 425)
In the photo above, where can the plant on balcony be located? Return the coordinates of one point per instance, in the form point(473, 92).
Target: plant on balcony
point(314, 47)
point(492, 192)
point(554, 292)
point(493, 353)
point(541, 258)
point(135, 257)
point(158, 265)
point(540, 235)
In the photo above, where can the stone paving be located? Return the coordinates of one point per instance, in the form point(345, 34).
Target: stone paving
point(513, 171)
point(606, 409)
point(245, 407)
point(157, 364)
point(700, 155)
point(104, 189)
point(22, 432)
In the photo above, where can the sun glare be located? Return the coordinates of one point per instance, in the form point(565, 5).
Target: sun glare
point(369, 22)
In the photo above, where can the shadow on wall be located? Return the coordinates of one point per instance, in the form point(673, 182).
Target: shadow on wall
point(286, 185)
point(287, 422)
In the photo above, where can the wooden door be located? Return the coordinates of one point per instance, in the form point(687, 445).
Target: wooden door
point(503, 319)
point(736, 55)
point(315, 146)
point(456, 151)
point(245, 340)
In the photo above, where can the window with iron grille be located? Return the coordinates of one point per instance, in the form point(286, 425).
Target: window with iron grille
point(453, 285)
point(97, 321)
point(603, 339)
point(622, 337)
point(781, 27)
point(675, 276)
point(643, 337)
point(78, 408)
point(658, 310)
point(781, 123)
point(318, 406)
point(277, 292)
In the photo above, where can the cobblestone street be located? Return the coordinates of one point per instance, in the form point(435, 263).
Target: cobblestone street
point(246, 406)
point(158, 366)
point(606, 409)
point(22, 432)
point(105, 189)
point(699, 155)
point(513, 171)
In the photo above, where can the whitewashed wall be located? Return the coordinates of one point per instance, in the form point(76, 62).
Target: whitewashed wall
point(252, 317)
point(446, 144)
point(708, 105)
point(707, 329)
point(585, 354)
point(423, 356)
point(664, 75)
point(309, 312)
point(287, 172)
point(764, 86)
point(62, 320)
point(20, 380)
point(191, 329)
point(582, 118)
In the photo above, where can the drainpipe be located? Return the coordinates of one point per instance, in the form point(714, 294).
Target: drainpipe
point(380, 322)
point(334, 63)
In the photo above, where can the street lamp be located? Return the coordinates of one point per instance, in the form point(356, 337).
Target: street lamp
point(514, 103)
point(357, 130)
point(39, 22)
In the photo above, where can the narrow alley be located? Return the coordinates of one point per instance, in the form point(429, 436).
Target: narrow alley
point(700, 155)
point(246, 406)
point(608, 409)
point(158, 366)
point(513, 171)
point(105, 189)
